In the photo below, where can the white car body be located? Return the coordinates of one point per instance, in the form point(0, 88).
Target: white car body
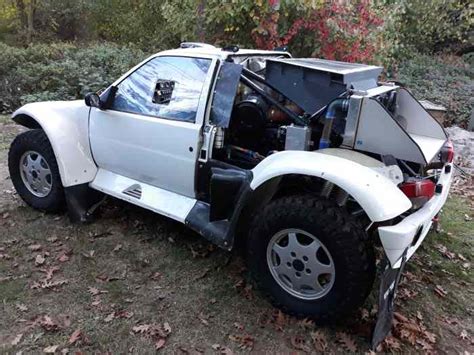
point(152, 162)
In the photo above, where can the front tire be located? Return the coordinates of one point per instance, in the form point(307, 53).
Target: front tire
point(34, 171)
point(311, 258)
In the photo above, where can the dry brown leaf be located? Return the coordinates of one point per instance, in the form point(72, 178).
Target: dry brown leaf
point(424, 344)
point(47, 323)
point(21, 307)
point(63, 258)
point(445, 252)
point(203, 318)
point(300, 344)
point(110, 317)
point(49, 272)
point(166, 327)
point(346, 341)
point(320, 342)
point(95, 291)
point(245, 342)
point(51, 349)
point(34, 247)
point(143, 328)
point(390, 343)
point(155, 276)
point(238, 326)
point(75, 336)
point(117, 247)
point(48, 284)
point(306, 323)
point(160, 343)
point(440, 291)
point(39, 260)
point(464, 335)
point(17, 339)
point(280, 320)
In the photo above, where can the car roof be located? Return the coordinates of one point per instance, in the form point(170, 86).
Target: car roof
point(218, 52)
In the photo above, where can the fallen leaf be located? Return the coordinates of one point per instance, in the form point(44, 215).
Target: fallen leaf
point(320, 342)
point(89, 254)
point(424, 344)
point(238, 326)
point(390, 343)
point(110, 317)
point(22, 307)
point(346, 341)
point(49, 272)
point(48, 324)
point(440, 291)
point(156, 276)
point(280, 321)
point(246, 341)
point(95, 291)
point(143, 328)
point(52, 239)
point(51, 349)
point(75, 336)
point(300, 344)
point(464, 335)
point(34, 247)
point(17, 339)
point(48, 284)
point(160, 343)
point(39, 260)
point(166, 327)
point(203, 319)
point(63, 258)
point(117, 247)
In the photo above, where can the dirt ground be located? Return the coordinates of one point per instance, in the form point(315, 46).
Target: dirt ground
point(133, 281)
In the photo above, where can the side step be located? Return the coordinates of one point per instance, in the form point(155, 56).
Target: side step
point(164, 202)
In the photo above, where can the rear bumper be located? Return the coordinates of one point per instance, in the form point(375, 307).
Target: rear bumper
point(412, 230)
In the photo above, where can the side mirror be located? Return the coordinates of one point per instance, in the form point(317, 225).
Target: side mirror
point(92, 100)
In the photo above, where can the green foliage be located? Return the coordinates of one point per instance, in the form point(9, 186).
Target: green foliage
point(59, 71)
point(444, 80)
point(428, 26)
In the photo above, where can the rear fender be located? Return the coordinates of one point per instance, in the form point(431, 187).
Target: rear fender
point(380, 198)
point(66, 123)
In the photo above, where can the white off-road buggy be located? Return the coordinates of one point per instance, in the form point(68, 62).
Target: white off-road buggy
point(310, 163)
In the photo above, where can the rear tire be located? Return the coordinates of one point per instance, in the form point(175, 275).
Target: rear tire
point(328, 270)
point(34, 171)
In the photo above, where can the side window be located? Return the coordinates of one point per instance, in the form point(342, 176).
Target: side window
point(165, 87)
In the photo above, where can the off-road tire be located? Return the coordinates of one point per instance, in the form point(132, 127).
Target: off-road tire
point(344, 238)
point(36, 140)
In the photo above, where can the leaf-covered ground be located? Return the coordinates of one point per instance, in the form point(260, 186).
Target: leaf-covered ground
point(135, 282)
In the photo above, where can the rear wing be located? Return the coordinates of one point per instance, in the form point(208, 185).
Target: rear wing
point(408, 132)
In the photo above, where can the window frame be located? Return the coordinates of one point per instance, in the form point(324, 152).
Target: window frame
point(203, 98)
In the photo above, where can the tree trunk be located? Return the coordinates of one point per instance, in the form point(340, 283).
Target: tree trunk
point(200, 31)
point(30, 13)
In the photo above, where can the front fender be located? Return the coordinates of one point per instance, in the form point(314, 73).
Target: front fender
point(380, 198)
point(66, 123)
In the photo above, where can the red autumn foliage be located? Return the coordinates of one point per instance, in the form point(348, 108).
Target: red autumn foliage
point(342, 30)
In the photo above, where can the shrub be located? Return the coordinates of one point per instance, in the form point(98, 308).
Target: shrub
point(446, 80)
point(59, 71)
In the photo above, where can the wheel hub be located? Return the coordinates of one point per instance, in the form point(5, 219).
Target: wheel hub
point(298, 265)
point(36, 173)
point(301, 264)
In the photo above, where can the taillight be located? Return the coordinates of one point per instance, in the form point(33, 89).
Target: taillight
point(447, 152)
point(418, 191)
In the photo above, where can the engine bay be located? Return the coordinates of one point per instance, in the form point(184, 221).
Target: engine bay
point(310, 104)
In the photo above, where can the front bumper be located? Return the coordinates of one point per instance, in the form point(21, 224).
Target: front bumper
point(412, 230)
